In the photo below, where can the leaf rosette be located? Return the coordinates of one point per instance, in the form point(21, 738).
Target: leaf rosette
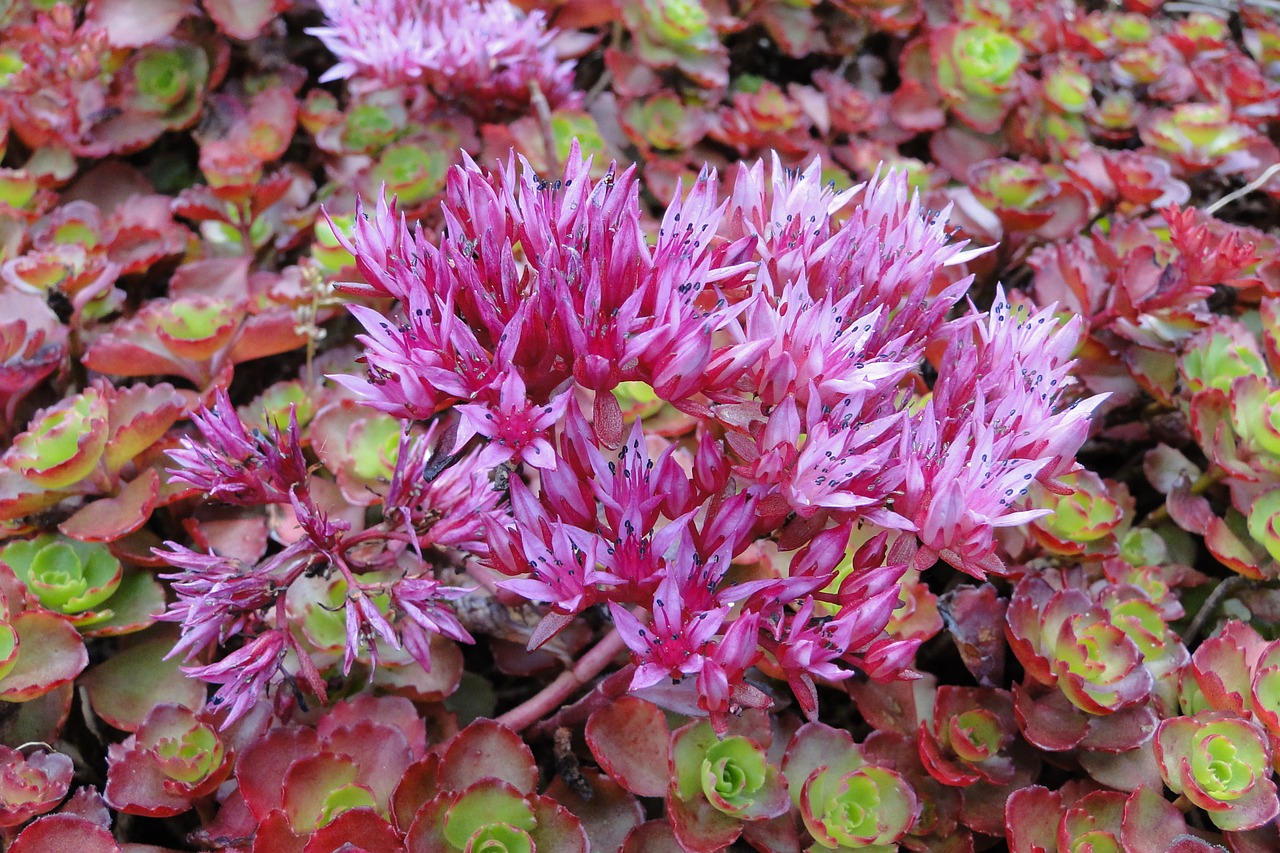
point(1222, 764)
point(174, 758)
point(717, 785)
point(973, 737)
point(845, 802)
point(63, 445)
point(1063, 638)
point(31, 785)
point(1084, 520)
point(68, 577)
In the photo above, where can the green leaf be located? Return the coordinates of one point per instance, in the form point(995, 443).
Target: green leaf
point(485, 804)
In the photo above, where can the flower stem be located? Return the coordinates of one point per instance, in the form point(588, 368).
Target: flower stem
point(565, 685)
point(1199, 487)
point(1224, 588)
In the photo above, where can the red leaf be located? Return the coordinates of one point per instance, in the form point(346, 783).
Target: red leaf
point(1031, 817)
point(363, 828)
point(51, 654)
point(264, 764)
point(488, 750)
point(629, 740)
point(64, 834)
point(108, 519)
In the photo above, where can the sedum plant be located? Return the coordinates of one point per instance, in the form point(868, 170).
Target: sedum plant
point(886, 460)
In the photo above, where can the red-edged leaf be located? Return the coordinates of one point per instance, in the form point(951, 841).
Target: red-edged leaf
point(108, 519)
point(274, 835)
point(380, 751)
point(656, 836)
point(1049, 721)
point(267, 334)
point(362, 828)
point(629, 739)
point(416, 787)
point(426, 833)
point(243, 19)
point(488, 750)
point(608, 817)
point(134, 23)
point(1031, 818)
point(557, 828)
point(64, 834)
point(777, 834)
point(264, 764)
point(1151, 823)
point(308, 784)
point(52, 654)
point(136, 604)
point(699, 826)
point(125, 686)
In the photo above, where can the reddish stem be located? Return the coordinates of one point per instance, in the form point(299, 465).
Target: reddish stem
point(566, 684)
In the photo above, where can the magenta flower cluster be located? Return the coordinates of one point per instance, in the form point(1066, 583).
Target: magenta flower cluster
point(794, 329)
point(481, 53)
point(390, 592)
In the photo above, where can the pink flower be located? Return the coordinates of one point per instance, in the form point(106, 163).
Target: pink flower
point(515, 426)
point(675, 644)
point(484, 54)
point(958, 492)
point(244, 674)
point(236, 465)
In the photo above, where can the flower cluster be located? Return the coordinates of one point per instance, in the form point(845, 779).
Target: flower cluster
point(388, 592)
point(483, 53)
point(794, 338)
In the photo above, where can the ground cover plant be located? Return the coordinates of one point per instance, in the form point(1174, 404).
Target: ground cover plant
point(646, 425)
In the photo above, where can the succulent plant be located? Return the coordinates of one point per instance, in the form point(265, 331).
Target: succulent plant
point(846, 802)
point(1222, 764)
point(173, 759)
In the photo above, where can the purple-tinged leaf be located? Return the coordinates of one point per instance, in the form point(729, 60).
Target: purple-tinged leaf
point(629, 740)
point(608, 817)
point(1031, 820)
point(64, 834)
point(970, 614)
point(655, 836)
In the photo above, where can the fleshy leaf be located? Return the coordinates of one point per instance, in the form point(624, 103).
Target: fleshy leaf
point(629, 739)
point(488, 750)
point(51, 654)
point(125, 686)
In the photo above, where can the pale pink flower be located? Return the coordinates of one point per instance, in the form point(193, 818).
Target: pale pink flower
point(482, 54)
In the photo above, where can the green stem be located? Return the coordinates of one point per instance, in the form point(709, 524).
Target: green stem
point(1202, 484)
